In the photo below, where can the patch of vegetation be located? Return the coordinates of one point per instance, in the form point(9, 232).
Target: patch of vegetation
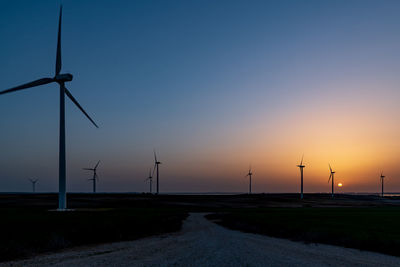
point(373, 229)
point(25, 232)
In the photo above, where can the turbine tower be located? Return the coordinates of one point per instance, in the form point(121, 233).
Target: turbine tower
point(332, 175)
point(33, 181)
point(301, 166)
point(382, 180)
point(150, 178)
point(156, 163)
point(61, 79)
point(249, 174)
point(95, 177)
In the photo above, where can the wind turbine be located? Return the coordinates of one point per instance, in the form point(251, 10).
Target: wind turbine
point(249, 174)
point(301, 166)
point(332, 175)
point(156, 163)
point(95, 177)
point(150, 178)
point(382, 179)
point(33, 181)
point(61, 79)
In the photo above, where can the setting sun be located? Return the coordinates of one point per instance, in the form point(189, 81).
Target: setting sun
point(340, 184)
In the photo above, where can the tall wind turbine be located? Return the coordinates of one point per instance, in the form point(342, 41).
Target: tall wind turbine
point(249, 174)
point(95, 177)
point(382, 179)
point(33, 181)
point(150, 178)
point(156, 163)
point(332, 175)
point(301, 166)
point(61, 79)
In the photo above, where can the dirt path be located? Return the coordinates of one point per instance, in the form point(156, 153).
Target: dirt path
point(203, 243)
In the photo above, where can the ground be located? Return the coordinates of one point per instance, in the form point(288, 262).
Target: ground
point(204, 243)
point(106, 218)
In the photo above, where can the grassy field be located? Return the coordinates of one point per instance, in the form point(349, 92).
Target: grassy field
point(374, 228)
point(25, 232)
point(27, 227)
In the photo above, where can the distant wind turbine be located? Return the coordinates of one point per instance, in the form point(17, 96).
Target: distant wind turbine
point(33, 181)
point(382, 180)
point(249, 174)
point(332, 175)
point(150, 179)
point(60, 79)
point(156, 163)
point(95, 176)
point(301, 166)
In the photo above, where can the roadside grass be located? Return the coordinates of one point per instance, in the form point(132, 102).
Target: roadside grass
point(25, 232)
point(373, 228)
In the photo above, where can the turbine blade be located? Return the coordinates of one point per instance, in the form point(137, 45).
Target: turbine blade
point(97, 165)
point(154, 169)
point(155, 156)
point(28, 85)
point(330, 176)
point(58, 56)
point(88, 169)
point(330, 167)
point(302, 157)
point(68, 93)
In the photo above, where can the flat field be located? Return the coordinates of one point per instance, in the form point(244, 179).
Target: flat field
point(30, 226)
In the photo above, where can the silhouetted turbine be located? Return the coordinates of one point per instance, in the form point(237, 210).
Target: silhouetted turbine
point(95, 176)
point(249, 174)
point(332, 175)
point(301, 166)
point(156, 163)
point(150, 178)
point(33, 181)
point(60, 79)
point(382, 179)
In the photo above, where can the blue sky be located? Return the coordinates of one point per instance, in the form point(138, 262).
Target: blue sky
point(212, 85)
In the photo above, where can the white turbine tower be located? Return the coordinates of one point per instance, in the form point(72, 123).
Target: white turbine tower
point(382, 180)
point(249, 174)
point(150, 179)
point(33, 181)
point(156, 164)
point(61, 79)
point(301, 166)
point(332, 175)
point(95, 176)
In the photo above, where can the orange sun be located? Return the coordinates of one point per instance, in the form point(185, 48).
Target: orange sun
point(340, 184)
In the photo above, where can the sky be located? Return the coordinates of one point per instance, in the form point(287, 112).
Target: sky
point(213, 86)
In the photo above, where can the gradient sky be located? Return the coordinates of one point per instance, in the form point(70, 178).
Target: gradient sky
point(213, 86)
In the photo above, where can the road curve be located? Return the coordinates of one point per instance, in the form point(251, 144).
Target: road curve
point(203, 243)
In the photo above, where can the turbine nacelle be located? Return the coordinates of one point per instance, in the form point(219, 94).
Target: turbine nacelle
point(60, 78)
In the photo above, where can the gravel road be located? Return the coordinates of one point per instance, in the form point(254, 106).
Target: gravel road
point(203, 243)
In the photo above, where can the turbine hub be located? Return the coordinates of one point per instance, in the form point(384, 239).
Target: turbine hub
point(63, 78)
